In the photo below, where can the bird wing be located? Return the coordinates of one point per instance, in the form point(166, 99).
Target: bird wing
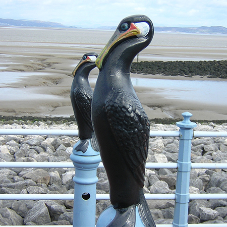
point(130, 127)
point(83, 98)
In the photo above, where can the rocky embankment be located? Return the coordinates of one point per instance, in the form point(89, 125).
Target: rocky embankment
point(59, 180)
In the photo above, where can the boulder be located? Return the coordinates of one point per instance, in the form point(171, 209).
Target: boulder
point(39, 214)
point(38, 175)
point(9, 217)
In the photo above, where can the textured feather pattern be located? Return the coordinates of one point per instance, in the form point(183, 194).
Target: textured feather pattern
point(130, 127)
point(83, 98)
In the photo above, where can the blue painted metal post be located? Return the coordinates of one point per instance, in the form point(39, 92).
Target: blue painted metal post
point(85, 186)
point(183, 175)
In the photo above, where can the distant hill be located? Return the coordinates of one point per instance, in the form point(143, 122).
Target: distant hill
point(30, 23)
point(36, 23)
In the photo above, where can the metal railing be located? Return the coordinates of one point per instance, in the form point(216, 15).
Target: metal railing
point(183, 165)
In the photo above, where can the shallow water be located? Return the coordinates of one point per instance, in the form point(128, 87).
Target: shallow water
point(203, 91)
point(22, 94)
point(12, 77)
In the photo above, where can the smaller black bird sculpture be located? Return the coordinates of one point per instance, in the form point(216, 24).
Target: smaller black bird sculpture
point(81, 98)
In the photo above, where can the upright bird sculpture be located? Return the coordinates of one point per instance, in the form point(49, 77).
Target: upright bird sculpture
point(120, 123)
point(81, 97)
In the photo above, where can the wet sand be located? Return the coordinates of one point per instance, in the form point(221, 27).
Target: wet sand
point(48, 94)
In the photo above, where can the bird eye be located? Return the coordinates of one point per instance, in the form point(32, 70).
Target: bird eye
point(84, 57)
point(124, 26)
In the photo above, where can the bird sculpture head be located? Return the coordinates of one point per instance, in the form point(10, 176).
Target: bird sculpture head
point(89, 59)
point(137, 29)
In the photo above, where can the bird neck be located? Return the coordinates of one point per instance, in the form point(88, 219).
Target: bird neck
point(121, 57)
point(81, 76)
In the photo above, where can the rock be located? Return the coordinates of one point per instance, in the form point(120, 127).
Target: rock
point(4, 190)
point(157, 146)
point(168, 213)
point(54, 177)
point(22, 152)
point(60, 150)
point(67, 216)
point(195, 205)
point(19, 185)
point(62, 222)
point(9, 217)
point(159, 187)
point(164, 171)
point(192, 219)
point(193, 190)
point(38, 149)
point(7, 173)
point(56, 143)
point(157, 214)
point(47, 145)
point(68, 176)
point(34, 141)
point(222, 211)
point(55, 209)
point(39, 214)
point(39, 176)
point(169, 179)
point(171, 148)
point(223, 147)
point(37, 190)
point(103, 184)
point(42, 157)
point(197, 183)
point(217, 179)
point(161, 158)
point(207, 214)
point(22, 207)
point(172, 157)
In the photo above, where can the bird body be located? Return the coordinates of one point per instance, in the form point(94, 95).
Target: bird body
point(81, 97)
point(120, 123)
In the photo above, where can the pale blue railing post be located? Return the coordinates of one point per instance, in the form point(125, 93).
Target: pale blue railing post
point(85, 180)
point(183, 175)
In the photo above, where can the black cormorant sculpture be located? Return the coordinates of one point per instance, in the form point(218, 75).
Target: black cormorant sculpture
point(121, 124)
point(81, 97)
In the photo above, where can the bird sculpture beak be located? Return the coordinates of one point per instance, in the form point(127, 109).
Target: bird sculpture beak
point(138, 29)
point(82, 61)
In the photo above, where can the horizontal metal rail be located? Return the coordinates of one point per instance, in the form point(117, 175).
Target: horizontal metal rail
point(149, 165)
point(56, 132)
point(158, 225)
point(75, 133)
point(209, 134)
point(103, 196)
point(71, 132)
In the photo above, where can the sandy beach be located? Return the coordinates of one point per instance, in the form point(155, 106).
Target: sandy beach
point(36, 66)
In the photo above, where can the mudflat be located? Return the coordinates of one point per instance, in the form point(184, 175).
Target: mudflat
point(36, 70)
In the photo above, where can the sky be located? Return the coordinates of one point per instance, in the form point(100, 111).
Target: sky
point(96, 13)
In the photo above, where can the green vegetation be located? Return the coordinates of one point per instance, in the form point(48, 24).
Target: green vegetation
point(212, 69)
